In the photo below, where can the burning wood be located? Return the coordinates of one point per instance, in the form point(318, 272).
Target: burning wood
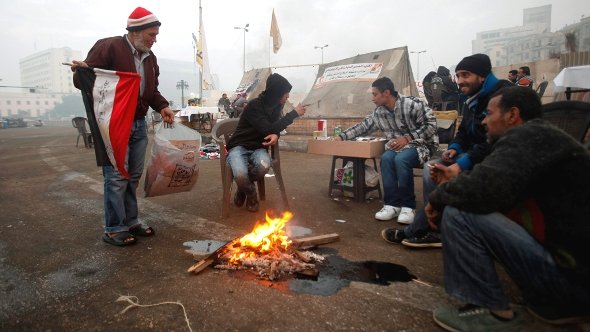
point(268, 251)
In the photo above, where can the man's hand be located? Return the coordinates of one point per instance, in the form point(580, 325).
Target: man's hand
point(167, 115)
point(398, 143)
point(433, 216)
point(300, 109)
point(441, 173)
point(78, 64)
point(449, 155)
point(271, 139)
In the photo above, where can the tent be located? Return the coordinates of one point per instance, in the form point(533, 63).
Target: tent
point(342, 88)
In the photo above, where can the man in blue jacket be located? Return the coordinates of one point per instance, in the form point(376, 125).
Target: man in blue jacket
point(469, 147)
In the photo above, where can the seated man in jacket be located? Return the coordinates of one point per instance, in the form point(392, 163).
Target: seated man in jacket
point(410, 127)
point(526, 207)
point(259, 127)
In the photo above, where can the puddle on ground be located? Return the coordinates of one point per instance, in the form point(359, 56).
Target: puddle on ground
point(336, 273)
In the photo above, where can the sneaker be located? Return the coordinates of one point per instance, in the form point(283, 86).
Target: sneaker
point(252, 203)
point(430, 240)
point(388, 212)
point(239, 198)
point(393, 235)
point(474, 318)
point(406, 216)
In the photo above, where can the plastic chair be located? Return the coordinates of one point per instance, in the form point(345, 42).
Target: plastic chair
point(571, 116)
point(541, 89)
point(446, 121)
point(221, 133)
point(156, 118)
point(80, 124)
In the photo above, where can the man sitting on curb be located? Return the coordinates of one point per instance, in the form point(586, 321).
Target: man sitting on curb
point(469, 147)
point(525, 206)
point(410, 127)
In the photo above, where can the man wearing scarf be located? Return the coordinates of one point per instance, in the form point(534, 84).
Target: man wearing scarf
point(469, 147)
point(259, 127)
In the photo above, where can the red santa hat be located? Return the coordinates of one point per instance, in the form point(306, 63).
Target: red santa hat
point(140, 19)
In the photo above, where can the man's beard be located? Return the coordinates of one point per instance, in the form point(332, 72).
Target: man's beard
point(138, 43)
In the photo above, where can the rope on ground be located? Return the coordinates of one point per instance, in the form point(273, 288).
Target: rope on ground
point(134, 303)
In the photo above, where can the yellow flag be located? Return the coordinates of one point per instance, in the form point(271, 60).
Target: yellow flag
point(277, 41)
point(200, 46)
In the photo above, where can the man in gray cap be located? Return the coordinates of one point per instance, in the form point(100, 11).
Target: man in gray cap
point(129, 53)
point(469, 147)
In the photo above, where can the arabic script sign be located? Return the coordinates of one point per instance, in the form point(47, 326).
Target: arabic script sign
point(361, 72)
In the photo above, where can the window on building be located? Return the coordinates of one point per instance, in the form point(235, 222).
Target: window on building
point(28, 102)
point(8, 102)
point(18, 102)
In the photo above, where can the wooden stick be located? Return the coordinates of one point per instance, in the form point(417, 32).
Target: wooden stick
point(203, 263)
point(315, 240)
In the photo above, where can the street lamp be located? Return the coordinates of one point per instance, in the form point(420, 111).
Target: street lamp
point(322, 48)
point(245, 28)
point(418, 68)
point(182, 85)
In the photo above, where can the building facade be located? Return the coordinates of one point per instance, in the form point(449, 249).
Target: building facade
point(533, 41)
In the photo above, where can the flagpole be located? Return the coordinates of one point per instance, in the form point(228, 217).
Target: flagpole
point(203, 65)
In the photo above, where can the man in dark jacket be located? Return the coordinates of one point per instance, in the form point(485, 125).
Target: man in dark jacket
point(525, 206)
point(448, 89)
point(477, 82)
point(259, 127)
point(129, 53)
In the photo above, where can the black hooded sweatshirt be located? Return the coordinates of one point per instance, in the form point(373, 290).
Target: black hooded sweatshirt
point(262, 116)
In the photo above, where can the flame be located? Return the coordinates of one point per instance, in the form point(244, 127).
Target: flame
point(265, 238)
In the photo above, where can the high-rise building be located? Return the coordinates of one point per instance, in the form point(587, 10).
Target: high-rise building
point(44, 70)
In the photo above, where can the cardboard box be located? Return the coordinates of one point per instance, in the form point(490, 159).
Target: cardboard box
point(360, 149)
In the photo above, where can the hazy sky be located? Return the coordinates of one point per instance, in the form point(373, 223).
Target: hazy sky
point(444, 29)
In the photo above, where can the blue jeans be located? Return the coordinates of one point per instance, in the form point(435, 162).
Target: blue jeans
point(247, 167)
point(471, 245)
point(398, 177)
point(120, 200)
point(420, 225)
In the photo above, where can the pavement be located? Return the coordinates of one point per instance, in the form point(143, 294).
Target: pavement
point(56, 274)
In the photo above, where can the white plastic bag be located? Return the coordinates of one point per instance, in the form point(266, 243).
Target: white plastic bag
point(174, 163)
point(371, 176)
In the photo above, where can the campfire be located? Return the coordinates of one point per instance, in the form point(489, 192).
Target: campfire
point(268, 251)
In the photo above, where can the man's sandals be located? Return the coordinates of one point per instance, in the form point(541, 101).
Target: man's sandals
point(119, 239)
point(128, 238)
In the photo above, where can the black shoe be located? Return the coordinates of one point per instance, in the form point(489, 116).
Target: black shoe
point(239, 198)
point(252, 203)
point(393, 235)
point(430, 240)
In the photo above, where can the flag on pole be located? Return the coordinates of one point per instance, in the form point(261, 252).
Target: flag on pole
point(277, 41)
point(110, 112)
point(199, 42)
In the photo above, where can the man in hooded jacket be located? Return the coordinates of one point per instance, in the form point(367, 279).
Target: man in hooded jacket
point(259, 127)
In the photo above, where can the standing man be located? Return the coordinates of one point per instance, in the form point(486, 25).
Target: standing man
point(524, 77)
point(410, 128)
point(259, 128)
point(129, 53)
point(239, 104)
point(224, 104)
point(476, 82)
point(526, 207)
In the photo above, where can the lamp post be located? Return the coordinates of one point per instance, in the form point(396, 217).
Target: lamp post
point(245, 28)
point(418, 64)
point(322, 48)
point(182, 85)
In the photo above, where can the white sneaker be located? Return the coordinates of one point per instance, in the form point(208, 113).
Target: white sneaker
point(406, 216)
point(388, 212)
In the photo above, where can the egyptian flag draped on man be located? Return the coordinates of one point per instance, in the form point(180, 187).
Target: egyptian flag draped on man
point(112, 94)
point(110, 99)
